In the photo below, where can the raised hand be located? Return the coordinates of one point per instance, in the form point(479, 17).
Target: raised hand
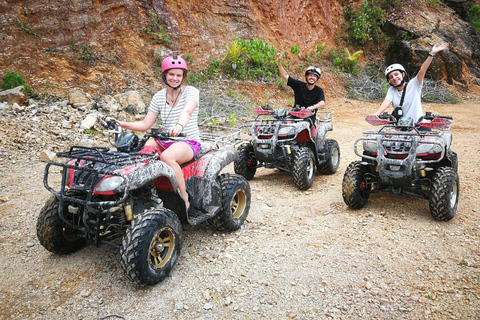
point(437, 48)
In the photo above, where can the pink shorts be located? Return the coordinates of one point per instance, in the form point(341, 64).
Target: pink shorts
point(195, 145)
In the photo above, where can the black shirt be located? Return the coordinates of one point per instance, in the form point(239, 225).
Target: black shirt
point(303, 96)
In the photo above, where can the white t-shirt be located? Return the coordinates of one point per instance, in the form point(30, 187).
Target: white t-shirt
point(169, 116)
point(412, 104)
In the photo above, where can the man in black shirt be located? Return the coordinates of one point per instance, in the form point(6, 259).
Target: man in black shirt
point(307, 94)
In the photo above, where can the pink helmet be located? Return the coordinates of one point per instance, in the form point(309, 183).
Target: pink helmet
point(174, 62)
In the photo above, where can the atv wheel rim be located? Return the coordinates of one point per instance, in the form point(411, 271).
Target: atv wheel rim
point(453, 195)
point(335, 157)
point(162, 247)
point(310, 169)
point(238, 204)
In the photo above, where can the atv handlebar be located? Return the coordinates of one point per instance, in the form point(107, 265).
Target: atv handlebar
point(129, 141)
point(429, 120)
point(297, 112)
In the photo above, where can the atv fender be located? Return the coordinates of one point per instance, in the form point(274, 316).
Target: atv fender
point(210, 165)
point(320, 140)
point(146, 174)
point(204, 185)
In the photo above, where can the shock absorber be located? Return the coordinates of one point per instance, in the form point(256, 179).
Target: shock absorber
point(128, 211)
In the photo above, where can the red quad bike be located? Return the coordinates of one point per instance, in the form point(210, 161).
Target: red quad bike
point(291, 143)
point(130, 194)
point(406, 158)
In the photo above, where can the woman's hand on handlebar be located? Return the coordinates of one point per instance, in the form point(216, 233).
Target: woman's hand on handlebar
point(175, 130)
point(112, 123)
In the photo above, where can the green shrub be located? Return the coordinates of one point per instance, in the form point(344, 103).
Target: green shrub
point(365, 24)
point(295, 50)
point(474, 15)
point(256, 61)
point(13, 80)
point(345, 61)
point(86, 54)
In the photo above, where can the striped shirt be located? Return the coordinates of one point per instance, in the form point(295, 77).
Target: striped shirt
point(170, 116)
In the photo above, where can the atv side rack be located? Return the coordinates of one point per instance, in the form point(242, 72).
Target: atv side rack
point(221, 137)
point(325, 116)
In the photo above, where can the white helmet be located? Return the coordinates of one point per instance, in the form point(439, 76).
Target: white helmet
point(394, 67)
point(314, 70)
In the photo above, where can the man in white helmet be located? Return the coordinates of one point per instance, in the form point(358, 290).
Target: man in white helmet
point(307, 94)
point(407, 95)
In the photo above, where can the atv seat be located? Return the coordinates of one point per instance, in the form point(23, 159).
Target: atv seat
point(204, 148)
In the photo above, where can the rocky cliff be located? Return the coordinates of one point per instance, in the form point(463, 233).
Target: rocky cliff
point(109, 46)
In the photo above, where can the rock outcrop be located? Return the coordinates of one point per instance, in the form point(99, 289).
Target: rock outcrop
point(16, 95)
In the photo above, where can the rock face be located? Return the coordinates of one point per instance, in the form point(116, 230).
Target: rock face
point(415, 32)
point(106, 47)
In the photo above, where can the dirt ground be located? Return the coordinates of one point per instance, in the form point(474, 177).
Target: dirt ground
point(300, 255)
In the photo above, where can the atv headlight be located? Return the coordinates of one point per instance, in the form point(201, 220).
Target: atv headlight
point(286, 131)
point(109, 183)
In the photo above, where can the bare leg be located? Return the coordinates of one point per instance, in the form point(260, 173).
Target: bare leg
point(177, 154)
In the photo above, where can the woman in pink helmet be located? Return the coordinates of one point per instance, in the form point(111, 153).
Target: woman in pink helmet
point(177, 106)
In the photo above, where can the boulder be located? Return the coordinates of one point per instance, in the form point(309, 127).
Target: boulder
point(3, 106)
point(47, 156)
point(131, 99)
point(78, 97)
point(109, 104)
point(89, 121)
point(16, 95)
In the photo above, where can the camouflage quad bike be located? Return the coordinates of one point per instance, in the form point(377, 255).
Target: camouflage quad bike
point(406, 158)
point(130, 194)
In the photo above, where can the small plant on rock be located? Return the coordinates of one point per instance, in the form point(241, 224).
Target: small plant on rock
point(13, 80)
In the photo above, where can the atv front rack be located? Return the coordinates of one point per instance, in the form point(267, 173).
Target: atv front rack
point(83, 161)
point(398, 142)
point(103, 155)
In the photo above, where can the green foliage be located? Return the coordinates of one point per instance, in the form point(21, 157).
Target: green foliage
point(154, 23)
point(295, 50)
point(214, 68)
point(198, 78)
point(435, 3)
point(155, 27)
point(188, 58)
point(86, 53)
point(474, 15)
point(232, 120)
point(214, 122)
point(93, 132)
point(25, 26)
point(74, 45)
point(13, 80)
point(157, 59)
point(365, 24)
point(391, 3)
point(347, 62)
point(250, 59)
point(320, 48)
point(234, 52)
point(163, 37)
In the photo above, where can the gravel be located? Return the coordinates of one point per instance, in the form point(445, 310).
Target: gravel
point(300, 254)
